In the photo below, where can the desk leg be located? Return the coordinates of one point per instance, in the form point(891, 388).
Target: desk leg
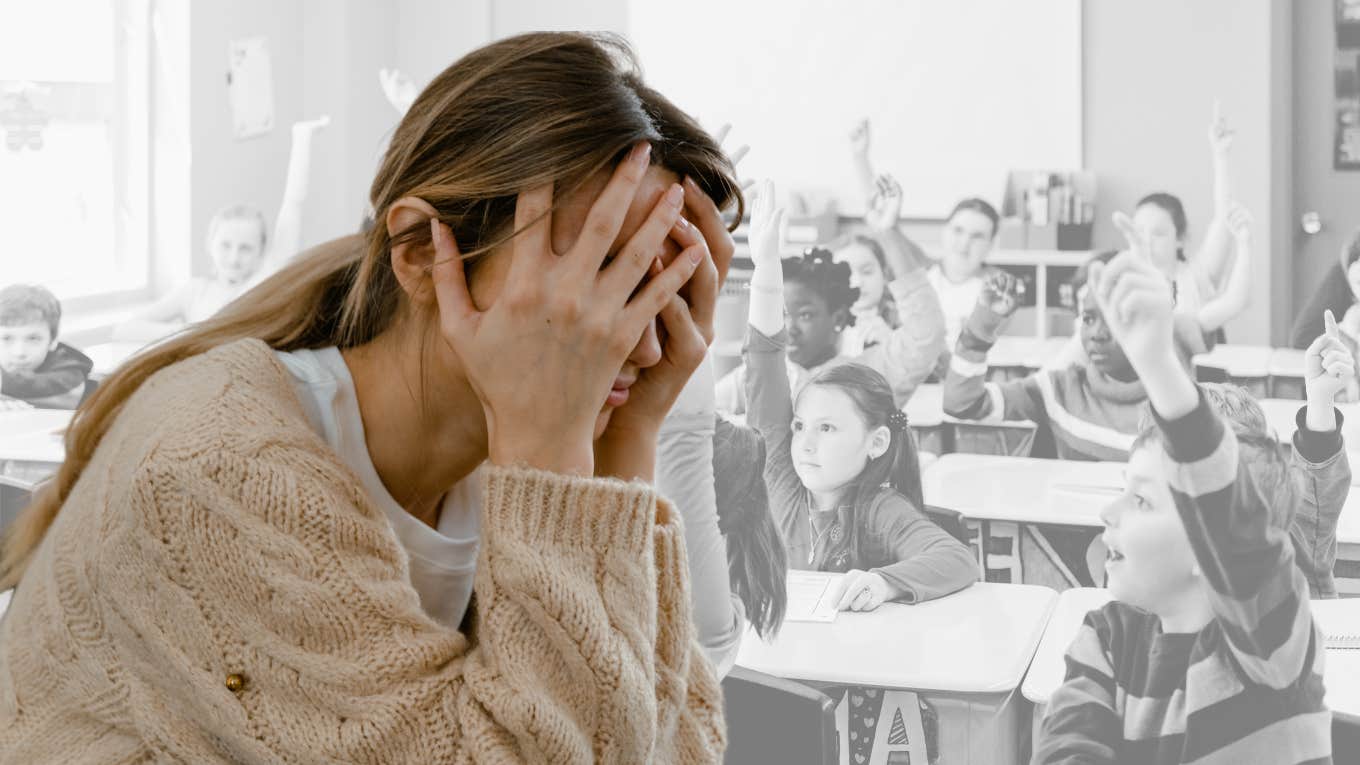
point(984, 544)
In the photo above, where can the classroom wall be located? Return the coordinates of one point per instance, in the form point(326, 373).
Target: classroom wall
point(1151, 71)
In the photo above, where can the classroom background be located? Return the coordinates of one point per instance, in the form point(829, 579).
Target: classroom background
point(129, 129)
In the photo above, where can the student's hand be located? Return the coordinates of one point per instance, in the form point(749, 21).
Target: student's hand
point(543, 357)
point(859, 139)
point(736, 156)
point(767, 223)
point(13, 404)
point(862, 591)
point(1136, 300)
point(1328, 365)
point(1239, 224)
point(886, 205)
point(398, 88)
point(1220, 135)
point(1001, 292)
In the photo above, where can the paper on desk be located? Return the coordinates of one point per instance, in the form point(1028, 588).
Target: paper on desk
point(811, 596)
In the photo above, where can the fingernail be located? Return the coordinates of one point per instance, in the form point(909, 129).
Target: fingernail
point(675, 195)
point(682, 223)
point(656, 268)
point(642, 153)
point(696, 256)
point(689, 183)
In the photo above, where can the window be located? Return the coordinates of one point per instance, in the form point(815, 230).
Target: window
point(74, 145)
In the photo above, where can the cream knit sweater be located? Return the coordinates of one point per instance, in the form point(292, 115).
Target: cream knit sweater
point(218, 588)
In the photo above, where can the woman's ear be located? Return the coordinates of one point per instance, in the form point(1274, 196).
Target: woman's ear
point(411, 260)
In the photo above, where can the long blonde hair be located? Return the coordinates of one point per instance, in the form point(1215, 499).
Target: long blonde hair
point(518, 113)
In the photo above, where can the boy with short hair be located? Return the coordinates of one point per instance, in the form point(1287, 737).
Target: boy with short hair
point(34, 366)
point(1208, 653)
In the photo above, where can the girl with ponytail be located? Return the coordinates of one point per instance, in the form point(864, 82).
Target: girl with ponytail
point(841, 465)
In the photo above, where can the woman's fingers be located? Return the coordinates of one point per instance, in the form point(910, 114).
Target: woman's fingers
point(701, 292)
point(608, 212)
point(685, 342)
point(622, 275)
point(708, 218)
point(456, 309)
point(647, 303)
point(533, 227)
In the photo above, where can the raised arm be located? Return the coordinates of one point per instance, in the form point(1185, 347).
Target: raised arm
point(164, 317)
point(287, 240)
point(967, 394)
point(769, 400)
point(684, 475)
point(859, 159)
point(1236, 293)
point(1211, 260)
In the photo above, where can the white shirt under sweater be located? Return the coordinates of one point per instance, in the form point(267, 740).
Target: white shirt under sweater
point(443, 560)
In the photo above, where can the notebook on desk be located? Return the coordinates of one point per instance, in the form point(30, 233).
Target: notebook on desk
point(1339, 621)
point(812, 596)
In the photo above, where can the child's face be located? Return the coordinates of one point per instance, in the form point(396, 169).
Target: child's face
point(235, 249)
point(1100, 346)
point(1150, 564)
point(1353, 276)
point(1159, 229)
point(865, 273)
point(831, 444)
point(966, 240)
point(24, 347)
point(811, 325)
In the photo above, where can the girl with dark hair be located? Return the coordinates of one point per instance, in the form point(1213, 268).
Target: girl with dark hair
point(819, 302)
point(757, 562)
point(840, 463)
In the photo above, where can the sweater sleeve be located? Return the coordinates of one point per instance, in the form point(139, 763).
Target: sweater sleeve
point(928, 563)
point(1259, 597)
point(262, 567)
point(63, 371)
point(912, 350)
point(1321, 471)
point(1081, 725)
point(684, 475)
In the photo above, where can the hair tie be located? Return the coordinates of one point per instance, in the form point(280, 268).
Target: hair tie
point(897, 421)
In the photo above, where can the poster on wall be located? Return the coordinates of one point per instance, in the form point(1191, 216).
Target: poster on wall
point(250, 87)
point(1348, 23)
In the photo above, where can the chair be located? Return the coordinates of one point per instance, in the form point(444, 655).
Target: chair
point(773, 720)
point(949, 520)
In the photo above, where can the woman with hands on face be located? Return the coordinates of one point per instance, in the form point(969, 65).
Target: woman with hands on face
point(395, 504)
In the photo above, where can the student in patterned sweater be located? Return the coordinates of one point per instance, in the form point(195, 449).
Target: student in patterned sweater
point(1208, 653)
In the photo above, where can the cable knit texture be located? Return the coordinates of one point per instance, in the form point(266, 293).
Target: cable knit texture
point(214, 534)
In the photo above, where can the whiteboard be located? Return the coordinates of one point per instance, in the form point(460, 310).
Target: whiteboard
point(958, 92)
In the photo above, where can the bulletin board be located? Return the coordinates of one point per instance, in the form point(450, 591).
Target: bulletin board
point(957, 91)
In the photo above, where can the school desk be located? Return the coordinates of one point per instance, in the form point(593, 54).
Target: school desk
point(939, 433)
point(1023, 489)
point(31, 449)
point(108, 356)
point(1341, 666)
point(1280, 415)
point(1286, 373)
point(964, 654)
point(1245, 365)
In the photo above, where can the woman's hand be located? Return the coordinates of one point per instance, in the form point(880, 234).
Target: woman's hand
point(862, 591)
point(627, 447)
point(543, 357)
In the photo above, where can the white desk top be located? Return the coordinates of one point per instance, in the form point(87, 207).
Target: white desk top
point(979, 640)
point(1023, 489)
point(1238, 360)
point(107, 356)
point(1286, 362)
point(1342, 673)
point(34, 435)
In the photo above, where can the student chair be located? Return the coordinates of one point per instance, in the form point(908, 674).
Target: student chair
point(770, 719)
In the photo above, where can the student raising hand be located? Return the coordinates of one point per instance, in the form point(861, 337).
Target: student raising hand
point(998, 299)
point(886, 205)
point(1329, 369)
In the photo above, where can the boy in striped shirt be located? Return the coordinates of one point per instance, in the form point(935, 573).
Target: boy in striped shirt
point(1208, 654)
